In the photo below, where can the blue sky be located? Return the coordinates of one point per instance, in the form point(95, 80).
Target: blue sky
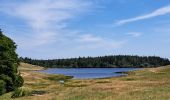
point(47, 29)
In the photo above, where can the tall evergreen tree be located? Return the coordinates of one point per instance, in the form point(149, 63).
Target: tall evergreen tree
point(102, 62)
point(10, 78)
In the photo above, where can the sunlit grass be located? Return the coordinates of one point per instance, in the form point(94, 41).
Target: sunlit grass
point(20, 92)
point(146, 84)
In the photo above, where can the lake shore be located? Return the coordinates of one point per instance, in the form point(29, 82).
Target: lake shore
point(149, 83)
point(88, 73)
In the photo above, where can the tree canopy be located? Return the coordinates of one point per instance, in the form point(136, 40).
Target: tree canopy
point(113, 61)
point(10, 78)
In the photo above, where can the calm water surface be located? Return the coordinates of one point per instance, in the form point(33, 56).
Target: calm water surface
point(89, 73)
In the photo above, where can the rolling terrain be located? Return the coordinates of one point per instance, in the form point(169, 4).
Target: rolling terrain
point(146, 84)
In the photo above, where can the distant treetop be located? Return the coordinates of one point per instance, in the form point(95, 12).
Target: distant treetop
point(113, 61)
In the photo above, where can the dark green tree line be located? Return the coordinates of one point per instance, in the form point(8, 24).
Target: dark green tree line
point(10, 78)
point(115, 61)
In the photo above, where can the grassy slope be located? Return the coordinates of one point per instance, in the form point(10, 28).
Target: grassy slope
point(147, 84)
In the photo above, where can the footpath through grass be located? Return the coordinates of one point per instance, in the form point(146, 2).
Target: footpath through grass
point(146, 84)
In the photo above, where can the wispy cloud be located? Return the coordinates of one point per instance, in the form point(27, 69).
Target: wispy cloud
point(47, 21)
point(94, 42)
point(161, 11)
point(45, 17)
point(89, 38)
point(134, 34)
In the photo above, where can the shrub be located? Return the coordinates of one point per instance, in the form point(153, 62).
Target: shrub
point(18, 81)
point(2, 87)
point(8, 82)
point(20, 92)
point(9, 62)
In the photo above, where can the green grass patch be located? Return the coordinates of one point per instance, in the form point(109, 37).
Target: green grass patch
point(59, 77)
point(103, 81)
point(6, 96)
point(128, 79)
point(20, 92)
point(38, 92)
point(37, 85)
point(75, 85)
point(78, 97)
point(89, 95)
point(156, 93)
point(130, 72)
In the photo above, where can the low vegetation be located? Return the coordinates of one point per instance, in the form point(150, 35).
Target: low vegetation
point(146, 84)
point(59, 78)
point(20, 92)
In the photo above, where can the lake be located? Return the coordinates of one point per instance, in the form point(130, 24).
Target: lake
point(89, 73)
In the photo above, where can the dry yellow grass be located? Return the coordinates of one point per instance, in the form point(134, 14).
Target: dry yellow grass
point(146, 84)
point(29, 67)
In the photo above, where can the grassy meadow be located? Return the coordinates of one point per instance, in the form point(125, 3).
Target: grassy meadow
point(146, 84)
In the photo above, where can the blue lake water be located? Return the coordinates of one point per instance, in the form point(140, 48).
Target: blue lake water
point(89, 73)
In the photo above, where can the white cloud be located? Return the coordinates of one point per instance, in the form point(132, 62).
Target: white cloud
point(47, 22)
point(89, 41)
point(45, 17)
point(134, 34)
point(89, 38)
point(158, 12)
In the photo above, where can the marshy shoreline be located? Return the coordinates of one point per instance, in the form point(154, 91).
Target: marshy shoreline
point(148, 83)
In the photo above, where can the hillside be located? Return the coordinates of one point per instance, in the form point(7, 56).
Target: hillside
point(146, 84)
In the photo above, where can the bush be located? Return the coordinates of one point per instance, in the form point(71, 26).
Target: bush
point(20, 92)
point(8, 82)
point(19, 81)
point(9, 62)
point(2, 87)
